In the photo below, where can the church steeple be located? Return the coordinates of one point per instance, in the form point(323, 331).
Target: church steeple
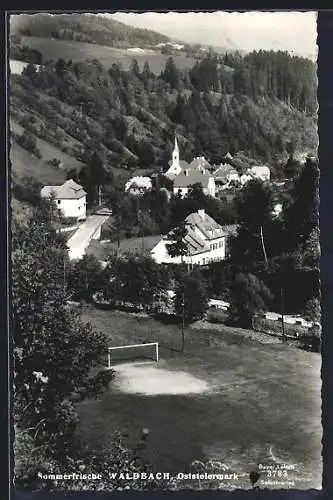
point(175, 154)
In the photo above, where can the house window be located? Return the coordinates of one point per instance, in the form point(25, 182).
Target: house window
point(58, 201)
point(204, 261)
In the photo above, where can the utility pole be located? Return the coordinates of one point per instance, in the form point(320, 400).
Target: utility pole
point(282, 314)
point(64, 271)
point(263, 245)
point(99, 195)
point(183, 322)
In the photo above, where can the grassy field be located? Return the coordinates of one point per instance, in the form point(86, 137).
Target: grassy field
point(26, 164)
point(80, 51)
point(264, 398)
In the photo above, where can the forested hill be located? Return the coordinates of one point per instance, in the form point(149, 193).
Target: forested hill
point(85, 28)
point(263, 104)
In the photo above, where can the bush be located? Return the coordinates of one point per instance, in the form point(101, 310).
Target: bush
point(27, 189)
point(217, 316)
point(55, 162)
point(28, 142)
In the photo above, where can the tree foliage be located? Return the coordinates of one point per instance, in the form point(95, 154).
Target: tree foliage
point(191, 299)
point(248, 296)
point(53, 350)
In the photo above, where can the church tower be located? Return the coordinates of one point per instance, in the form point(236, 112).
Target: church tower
point(175, 168)
point(175, 155)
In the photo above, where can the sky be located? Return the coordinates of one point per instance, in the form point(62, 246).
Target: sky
point(292, 31)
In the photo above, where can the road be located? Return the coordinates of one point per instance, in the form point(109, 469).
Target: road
point(80, 240)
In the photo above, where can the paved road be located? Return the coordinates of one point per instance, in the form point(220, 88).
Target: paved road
point(80, 240)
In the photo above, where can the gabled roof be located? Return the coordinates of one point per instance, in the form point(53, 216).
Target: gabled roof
point(139, 182)
point(192, 177)
point(70, 190)
point(198, 162)
point(206, 224)
point(259, 170)
point(222, 171)
point(195, 243)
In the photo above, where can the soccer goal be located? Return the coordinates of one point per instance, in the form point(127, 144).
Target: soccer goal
point(132, 352)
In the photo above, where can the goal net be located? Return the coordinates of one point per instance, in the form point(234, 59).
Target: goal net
point(132, 352)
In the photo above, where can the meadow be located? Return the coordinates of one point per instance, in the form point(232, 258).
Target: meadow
point(53, 49)
point(25, 164)
point(263, 405)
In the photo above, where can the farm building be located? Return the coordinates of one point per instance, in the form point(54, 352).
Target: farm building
point(70, 198)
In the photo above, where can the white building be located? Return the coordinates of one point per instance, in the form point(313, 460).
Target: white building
point(205, 239)
point(261, 172)
point(138, 185)
point(183, 182)
point(175, 166)
point(70, 198)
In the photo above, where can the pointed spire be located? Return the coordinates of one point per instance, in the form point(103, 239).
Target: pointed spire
point(176, 144)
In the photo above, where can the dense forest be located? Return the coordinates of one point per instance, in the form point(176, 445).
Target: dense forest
point(84, 28)
point(257, 104)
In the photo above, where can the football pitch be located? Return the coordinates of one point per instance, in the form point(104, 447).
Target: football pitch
point(247, 403)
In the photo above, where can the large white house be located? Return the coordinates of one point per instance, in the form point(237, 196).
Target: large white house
point(205, 239)
point(70, 198)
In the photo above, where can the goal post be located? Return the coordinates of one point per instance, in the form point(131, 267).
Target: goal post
point(133, 352)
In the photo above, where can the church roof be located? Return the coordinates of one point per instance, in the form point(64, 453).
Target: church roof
point(189, 177)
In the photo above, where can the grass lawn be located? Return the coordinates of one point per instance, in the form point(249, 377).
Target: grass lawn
point(264, 398)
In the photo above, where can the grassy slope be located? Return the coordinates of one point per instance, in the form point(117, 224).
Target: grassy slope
point(26, 164)
point(264, 395)
point(80, 51)
point(48, 151)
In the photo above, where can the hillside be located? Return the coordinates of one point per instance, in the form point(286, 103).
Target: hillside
point(25, 164)
point(104, 124)
point(53, 49)
point(84, 28)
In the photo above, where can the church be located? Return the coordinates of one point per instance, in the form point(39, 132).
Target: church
point(184, 174)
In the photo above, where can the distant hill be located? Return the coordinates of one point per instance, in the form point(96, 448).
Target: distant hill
point(84, 28)
point(53, 49)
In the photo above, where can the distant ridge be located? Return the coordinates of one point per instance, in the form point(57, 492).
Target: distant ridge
point(84, 27)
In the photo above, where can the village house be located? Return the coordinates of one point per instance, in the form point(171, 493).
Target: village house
point(205, 241)
point(225, 174)
point(70, 199)
point(261, 172)
point(139, 185)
